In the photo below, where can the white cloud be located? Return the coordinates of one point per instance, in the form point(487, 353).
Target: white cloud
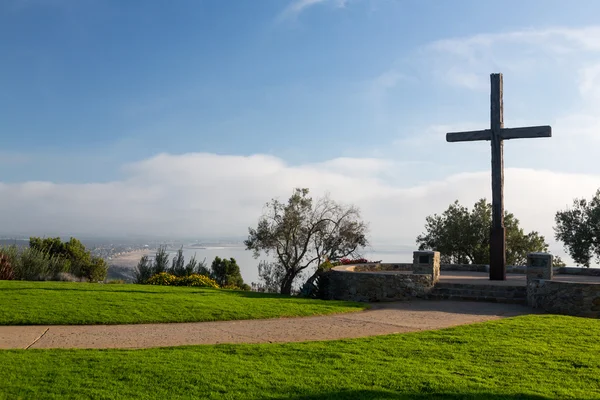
point(200, 195)
point(467, 61)
point(297, 7)
point(589, 83)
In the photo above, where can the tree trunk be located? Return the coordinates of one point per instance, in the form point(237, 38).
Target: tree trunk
point(286, 284)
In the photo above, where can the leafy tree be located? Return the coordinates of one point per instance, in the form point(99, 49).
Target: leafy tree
point(302, 233)
point(270, 274)
point(178, 264)
point(558, 262)
point(579, 229)
point(227, 272)
point(161, 260)
point(144, 270)
point(196, 267)
point(463, 236)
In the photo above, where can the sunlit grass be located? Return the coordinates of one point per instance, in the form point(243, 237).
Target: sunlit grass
point(530, 357)
point(54, 303)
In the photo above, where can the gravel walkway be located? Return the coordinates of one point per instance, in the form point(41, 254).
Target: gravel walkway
point(382, 319)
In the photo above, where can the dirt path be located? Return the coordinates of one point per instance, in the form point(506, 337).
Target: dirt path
point(384, 318)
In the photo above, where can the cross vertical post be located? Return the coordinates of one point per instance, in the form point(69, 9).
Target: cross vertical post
point(497, 234)
point(497, 134)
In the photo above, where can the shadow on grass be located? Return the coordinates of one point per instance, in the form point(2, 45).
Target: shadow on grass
point(458, 307)
point(382, 395)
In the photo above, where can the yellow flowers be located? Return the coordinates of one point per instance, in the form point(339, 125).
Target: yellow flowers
point(197, 280)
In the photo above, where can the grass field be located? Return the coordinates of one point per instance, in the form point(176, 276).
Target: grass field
point(57, 303)
point(530, 357)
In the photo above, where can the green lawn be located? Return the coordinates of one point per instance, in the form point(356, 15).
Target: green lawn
point(530, 357)
point(55, 303)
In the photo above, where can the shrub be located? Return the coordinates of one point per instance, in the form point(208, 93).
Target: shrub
point(244, 286)
point(115, 281)
point(162, 278)
point(33, 264)
point(6, 270)
point(70, 256)
point(166, 279)
point(196, 280)
point(147, 268)
point(94, 271)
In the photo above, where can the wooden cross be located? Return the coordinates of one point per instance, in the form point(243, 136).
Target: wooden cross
point(497, 134)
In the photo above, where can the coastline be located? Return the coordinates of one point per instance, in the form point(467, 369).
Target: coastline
point(130, 259)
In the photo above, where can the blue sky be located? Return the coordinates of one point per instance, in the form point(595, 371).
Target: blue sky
point(107, 82)
point(103, 99)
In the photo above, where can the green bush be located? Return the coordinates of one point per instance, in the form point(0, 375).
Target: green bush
point(32, 264)
point(226, 272)
point(196, 280)
point(244, 286)
point(166, 279)
point(162, 278)
point(79, 259)
point(6, 270)
point(147, 268)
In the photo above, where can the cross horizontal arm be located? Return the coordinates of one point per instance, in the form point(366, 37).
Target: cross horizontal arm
point(469, 136)
point(505, 134)
point(526, 133)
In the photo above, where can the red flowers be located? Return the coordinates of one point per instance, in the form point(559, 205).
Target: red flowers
point(346, 261)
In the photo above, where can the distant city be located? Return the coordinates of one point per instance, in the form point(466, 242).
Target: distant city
point(109, 249)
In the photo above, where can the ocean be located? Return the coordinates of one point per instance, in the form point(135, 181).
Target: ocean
point(249, 265)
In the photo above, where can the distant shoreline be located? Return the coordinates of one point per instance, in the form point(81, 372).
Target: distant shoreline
point(130, 259)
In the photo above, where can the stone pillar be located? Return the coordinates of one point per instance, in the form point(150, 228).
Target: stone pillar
point(539, 266)
point(427, 263)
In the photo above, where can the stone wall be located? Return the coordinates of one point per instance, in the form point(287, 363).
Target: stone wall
point(578, 271)
point(472, 268)
point(382, 267)
point(569, 298)
point(345, 284)
point(375, 282)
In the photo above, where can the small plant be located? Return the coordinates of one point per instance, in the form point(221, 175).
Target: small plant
point(6, 270)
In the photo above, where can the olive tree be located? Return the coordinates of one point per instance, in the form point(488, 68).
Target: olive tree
point(463, 236)
point(578, 228)
point(302, 233)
